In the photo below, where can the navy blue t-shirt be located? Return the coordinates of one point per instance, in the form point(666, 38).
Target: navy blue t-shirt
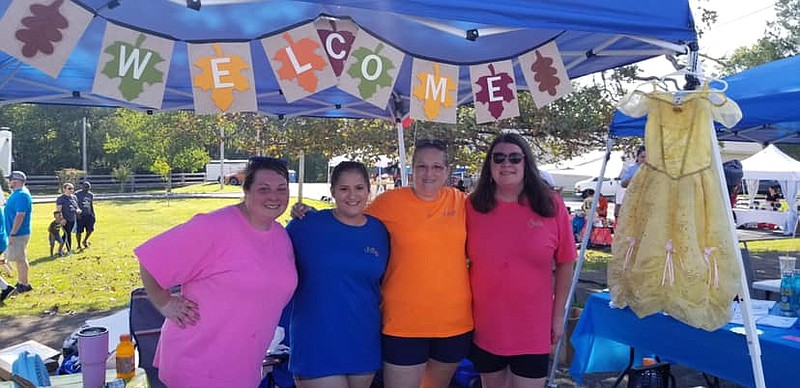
point(336, 319)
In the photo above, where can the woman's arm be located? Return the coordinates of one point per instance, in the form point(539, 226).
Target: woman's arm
point(563, 276)
point(176, 308)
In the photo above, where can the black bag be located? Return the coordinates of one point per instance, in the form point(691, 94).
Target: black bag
point(146, 322)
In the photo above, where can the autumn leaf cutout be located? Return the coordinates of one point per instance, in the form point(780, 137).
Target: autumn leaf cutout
point(545, 74)
point(134, 65)
point(435, 92)
point(222, 75)
point(298, 59)
point(42, 29)
point(371, 69)
point(495, 91)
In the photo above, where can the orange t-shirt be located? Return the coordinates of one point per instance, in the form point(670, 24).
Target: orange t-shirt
point(426, 289)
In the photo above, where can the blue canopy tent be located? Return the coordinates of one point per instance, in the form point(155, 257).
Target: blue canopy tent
point(768, 96)
point(591, 36)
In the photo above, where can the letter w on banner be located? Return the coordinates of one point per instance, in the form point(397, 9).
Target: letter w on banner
point(42, 33)
point(299, 62)
point(133, 66)
point(545, 74)
point(222, 78)
point(434, 91)
point(494, 91)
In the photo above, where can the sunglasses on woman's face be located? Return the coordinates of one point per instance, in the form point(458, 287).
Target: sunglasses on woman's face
point(513, 158)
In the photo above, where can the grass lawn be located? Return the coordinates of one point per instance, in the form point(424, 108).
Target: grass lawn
point(101, 277)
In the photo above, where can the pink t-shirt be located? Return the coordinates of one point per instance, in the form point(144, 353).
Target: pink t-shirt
point(512, 250)
point(240, 277)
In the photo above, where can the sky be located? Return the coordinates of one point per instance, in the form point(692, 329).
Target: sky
point(739, 23)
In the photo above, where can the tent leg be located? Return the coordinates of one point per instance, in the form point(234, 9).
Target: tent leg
point(579, 264)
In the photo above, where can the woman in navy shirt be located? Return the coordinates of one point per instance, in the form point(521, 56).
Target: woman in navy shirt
point(341, 256)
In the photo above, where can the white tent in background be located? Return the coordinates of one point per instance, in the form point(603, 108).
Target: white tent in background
point(566, 172)
point(772, 164)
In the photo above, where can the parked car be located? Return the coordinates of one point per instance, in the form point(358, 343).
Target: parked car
point(608, 189)
point(235, 179)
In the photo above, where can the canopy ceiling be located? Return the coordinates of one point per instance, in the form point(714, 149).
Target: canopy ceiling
point(591, 35)
point(768, 96)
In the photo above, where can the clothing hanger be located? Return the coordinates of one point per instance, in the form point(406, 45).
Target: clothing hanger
point(694, 79)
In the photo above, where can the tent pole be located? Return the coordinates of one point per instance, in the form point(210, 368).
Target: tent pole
point(401, 150)
point(551, 379)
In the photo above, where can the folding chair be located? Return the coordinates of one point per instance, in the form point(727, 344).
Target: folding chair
point(146, 322)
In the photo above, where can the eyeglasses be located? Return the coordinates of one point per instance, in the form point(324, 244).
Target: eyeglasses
point(513, 158)
point(431, 143)
point(69, 188)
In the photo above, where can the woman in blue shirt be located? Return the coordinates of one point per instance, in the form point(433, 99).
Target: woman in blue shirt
point(341, 256)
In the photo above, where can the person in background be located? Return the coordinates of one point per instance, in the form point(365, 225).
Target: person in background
point(773, 198)
point(233, 289)
point(427, 304)
point(6, 289)
point(627, 175)
point(18, 211)
point(54, 233)
point(67, 204)
point(341, 257)
point(518, 231)
point(602, 204)
point(87, 217)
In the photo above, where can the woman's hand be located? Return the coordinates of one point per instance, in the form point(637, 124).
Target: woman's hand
point(180, 310)
point(299, 210)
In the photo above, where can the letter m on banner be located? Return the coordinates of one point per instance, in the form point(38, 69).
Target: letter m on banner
point(434, 91)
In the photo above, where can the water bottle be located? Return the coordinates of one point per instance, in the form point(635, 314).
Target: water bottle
point(796, 291)
point(787, 295)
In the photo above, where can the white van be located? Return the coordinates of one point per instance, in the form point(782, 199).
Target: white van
point(231, 166)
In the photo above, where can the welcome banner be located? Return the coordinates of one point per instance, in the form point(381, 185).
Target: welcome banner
point(494, 91)
point(545, 74)
point(133, 66)
point(222, 78)
point(371, 70)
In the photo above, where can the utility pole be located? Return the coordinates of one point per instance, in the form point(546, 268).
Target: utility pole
point(221, 158)
point(83, 146)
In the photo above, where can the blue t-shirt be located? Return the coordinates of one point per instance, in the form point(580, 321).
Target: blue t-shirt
point(336, 319)
point(19, 201)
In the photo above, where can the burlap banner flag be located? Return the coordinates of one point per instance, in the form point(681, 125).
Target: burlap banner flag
point(133, 66)
point(222, 78)
point(42, 33)
point(545, 74)
point(494, 91)
point(434, 91)
point(299, 62)
point(337, 38)
point(371, 70)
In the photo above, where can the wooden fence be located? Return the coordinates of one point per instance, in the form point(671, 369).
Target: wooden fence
point(106, 183)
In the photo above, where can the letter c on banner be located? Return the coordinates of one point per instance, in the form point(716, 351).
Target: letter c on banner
point(329, 45)
point(365, 65)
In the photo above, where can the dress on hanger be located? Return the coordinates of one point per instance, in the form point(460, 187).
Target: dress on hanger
point(672, 249)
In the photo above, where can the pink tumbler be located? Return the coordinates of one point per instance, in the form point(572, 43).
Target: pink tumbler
point(93, 351)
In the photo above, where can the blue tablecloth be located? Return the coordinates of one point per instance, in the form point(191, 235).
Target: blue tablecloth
point(604, 335)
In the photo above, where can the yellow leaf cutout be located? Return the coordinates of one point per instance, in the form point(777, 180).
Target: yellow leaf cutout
point(222, 74)
point(435, 91)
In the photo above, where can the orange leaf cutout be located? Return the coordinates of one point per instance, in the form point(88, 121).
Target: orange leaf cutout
point(431, 89)
point(298, 59)
point(222, 75)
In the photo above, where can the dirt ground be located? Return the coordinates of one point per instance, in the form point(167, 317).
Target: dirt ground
point(51, 330)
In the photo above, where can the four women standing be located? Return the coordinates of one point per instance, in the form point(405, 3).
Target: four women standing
point(514, 227)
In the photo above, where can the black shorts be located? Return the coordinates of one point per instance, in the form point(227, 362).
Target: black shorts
point(533, 366)
point(417, 350)
point(86, 223)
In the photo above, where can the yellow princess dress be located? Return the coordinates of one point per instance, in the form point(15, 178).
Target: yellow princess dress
point(672, 249)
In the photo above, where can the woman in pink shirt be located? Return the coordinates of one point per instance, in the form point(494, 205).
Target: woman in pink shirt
point(518, 231)
point(236, 270)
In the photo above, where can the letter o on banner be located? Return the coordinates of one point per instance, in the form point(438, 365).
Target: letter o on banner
point(365, 65)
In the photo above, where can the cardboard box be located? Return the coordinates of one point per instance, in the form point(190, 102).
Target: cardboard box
point(9, 355)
